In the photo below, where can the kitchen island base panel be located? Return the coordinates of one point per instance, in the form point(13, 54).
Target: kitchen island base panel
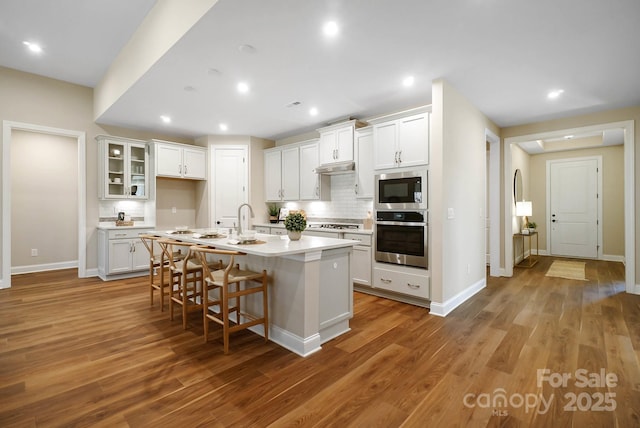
point(310, 298)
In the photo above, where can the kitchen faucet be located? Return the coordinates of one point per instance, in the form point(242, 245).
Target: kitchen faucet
point(240, 219)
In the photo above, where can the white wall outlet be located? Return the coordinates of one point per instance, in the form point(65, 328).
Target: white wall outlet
point(34, 252)
point(174, 210)
point(451, 213)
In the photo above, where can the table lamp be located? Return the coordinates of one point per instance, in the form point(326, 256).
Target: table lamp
point(524, 209)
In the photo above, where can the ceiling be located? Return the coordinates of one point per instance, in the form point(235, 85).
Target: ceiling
point(503, 55)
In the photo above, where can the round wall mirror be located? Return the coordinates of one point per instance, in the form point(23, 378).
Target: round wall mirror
point(517, 186)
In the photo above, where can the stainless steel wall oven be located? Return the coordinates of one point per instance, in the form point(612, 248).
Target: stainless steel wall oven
point(402, 238)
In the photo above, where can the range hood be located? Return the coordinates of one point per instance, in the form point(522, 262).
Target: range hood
point(336, 168)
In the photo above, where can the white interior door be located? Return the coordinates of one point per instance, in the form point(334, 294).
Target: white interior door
point(230, 184)
point(573, 207)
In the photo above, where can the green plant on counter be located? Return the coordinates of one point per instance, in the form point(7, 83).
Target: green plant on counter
point(532, 225)
point(273, 210)
point(295, 222)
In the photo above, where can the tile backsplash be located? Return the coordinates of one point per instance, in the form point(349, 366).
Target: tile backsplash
point(343, 204)
point(109, 210)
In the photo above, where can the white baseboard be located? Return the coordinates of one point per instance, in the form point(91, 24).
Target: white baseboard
point(301, 346)
point(17, 270)
point(443, 309)
point(89, 273)
point(613, 258)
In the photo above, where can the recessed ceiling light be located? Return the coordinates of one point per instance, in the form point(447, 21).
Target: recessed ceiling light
point(408, 81)
point(555, 93)
point(214, 72)
point(313, 111)
point(568, 137)
point(243, 87)
point(165, 119)
point(330, 29)
point(223, 127)
point(33, 47)
point(189, 88)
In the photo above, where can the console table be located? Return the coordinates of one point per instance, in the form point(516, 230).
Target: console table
point(529, 261)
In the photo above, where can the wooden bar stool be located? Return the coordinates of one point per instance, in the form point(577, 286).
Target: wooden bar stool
point(185, 280)
point(223, 289)
point(158, 265)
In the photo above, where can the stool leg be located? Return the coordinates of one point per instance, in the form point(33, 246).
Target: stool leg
point(225, 317)
point(205, 311)
point(265, 306)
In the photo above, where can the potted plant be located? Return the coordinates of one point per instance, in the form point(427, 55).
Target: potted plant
point(273, 213)
point(532, 226)
point(295, 223)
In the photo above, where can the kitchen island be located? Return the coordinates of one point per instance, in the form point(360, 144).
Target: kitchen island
point(310, 288)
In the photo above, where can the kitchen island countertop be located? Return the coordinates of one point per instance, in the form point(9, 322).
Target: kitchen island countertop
point(266, 246)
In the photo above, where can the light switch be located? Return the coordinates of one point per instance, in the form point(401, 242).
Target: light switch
point(451, 213)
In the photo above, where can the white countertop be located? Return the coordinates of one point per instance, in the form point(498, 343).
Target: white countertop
point(273, 246)
point(110, 225)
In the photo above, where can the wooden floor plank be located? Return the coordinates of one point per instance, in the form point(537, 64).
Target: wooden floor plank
point(82, 352)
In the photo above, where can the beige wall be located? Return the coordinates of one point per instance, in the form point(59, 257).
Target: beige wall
point(612, 194)
point(44, 199)
point(457, 180)
point(37, 100)
point(181, 194)
point(610, 116)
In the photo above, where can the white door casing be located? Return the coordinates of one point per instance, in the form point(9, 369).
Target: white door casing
point(230, 176)
point(573, 189)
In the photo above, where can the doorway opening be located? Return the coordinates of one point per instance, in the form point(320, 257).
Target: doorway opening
point(8, 128)
point(627, 128)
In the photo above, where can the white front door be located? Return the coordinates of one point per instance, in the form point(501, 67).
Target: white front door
point(229, 185)
point(573, 207)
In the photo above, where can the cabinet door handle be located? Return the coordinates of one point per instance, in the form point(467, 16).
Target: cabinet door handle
point(400, 156)
point(414, 286)
point(317, 190)
point(386, 281)
point(356, 188)
point(395, 157)
point(185, 169)
point(179, 169)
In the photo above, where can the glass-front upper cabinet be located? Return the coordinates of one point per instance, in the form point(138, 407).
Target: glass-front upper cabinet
point(123, 169)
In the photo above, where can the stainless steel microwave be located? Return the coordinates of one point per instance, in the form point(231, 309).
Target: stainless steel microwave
point(405, 190)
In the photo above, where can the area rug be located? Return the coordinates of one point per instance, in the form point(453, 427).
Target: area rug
point(567, 270)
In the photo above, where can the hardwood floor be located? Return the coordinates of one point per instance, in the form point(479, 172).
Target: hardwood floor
point(81, 352)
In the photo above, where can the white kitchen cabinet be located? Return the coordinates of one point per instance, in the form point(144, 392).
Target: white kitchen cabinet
point(361, 258)
point(180, 160)
point(262, 229)
point(123, 168)
point(401, 279)
point(282, 174)
point(364, 177)
point(278, 231)
point(121, 254)
point(336, 142)
point(401, 141)
point(313, 186)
